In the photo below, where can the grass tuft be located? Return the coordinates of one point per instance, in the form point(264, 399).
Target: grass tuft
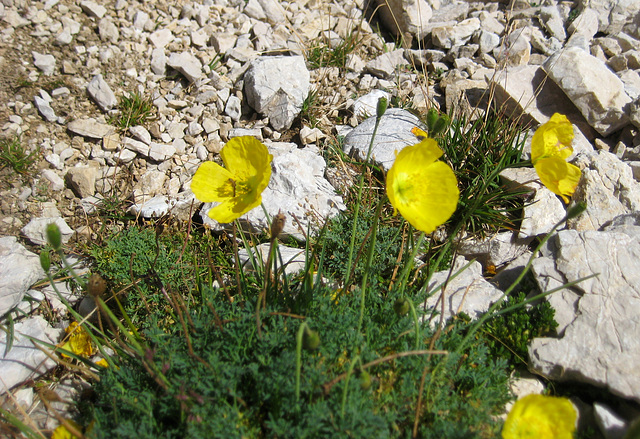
point(16, 157)
point(134, 110)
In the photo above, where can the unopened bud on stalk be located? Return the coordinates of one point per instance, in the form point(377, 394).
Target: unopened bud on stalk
point(432, 118)
point(576, 209)
point(365, 380)
point(277, 225)
point(45, 260)
point(440, 125)
point(96, 285)
point(310, 340)
point(383, 103)
point(54, 237)
point(401, 306)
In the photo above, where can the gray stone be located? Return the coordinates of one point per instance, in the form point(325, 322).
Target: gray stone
point(405, 16)
point(497, 250)
point(56, 182)
point(297, 187)
point(93, 9)
point(609, 189)
point(233, 108)
point(585, 24)
point(180, 206)
point(19, 269)
point(141, 133)
point(82, 180)
point(487, 41)
point(469, 292)
point(394, 133)
point(187, 64)
point(25, 361)
point(108, 31)
point(552, 21)
point(158, 61)
point(160, 152)
point(292, 258)
point(599, 346)
point(365, 106)
point(386, 65)
point(90, 128)
point(161, 38)
point(136, 146)
point(35, 230)
point(46, 63)
point(310, 135)
point(611, 424)
point(45, 109)
point(447, 37)
point(277, 86)
point(594, 89)
point(515, 50)
point(101, 93)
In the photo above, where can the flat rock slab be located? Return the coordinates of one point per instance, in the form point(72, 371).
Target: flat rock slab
point(594, 89)
point(297, 188)
point(394, 133)
point(90, 128)
point(25, 361)
point(600, 346)
point(468, 292)
point(19, 269)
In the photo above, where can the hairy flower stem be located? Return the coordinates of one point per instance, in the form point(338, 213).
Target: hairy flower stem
point(372, 246)
point(352, 365)
point(356, 211)
point(299, 337)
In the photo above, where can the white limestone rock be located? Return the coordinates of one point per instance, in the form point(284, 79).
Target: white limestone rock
point(609, 189)
point(181, 206)
point(24, 360)
point(101, 93)
point(599, 345)
point(297, 187)
point(611, 424)
point(292, 258)
point(394, 133)
point(277, 86)
point(19, 269)
point(365, 106)
point(446, 37)
point(406, 16)
point(82, 180)
point(90, 128)
point(468, 292)
point(46, 63)
point(593, 88)
point(35, 230)
point(386, 65)
point(498, 249)
point(187, 64)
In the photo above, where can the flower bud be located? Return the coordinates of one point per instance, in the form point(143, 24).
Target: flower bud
point(440, 125)
point(45, 260)
point(96, 286)
point(576, 209)
point(365, 380)
point(432, 118)
point(383, 103)
point(54, 237)
point(277, 225)
point(401, 306)
point(310, 340)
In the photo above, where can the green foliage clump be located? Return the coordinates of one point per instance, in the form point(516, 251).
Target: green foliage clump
point(478, 151)
point(145, 266)
point(134, 110)
point(322, 54)
point(508, 335)
point(237, 381)
point(15, 156)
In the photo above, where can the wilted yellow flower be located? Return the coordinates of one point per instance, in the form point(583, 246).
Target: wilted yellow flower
point(78, 342)
point(238, 187)
point(550, 148)
point(540, 417)
point(61, 432)
point(424, 190)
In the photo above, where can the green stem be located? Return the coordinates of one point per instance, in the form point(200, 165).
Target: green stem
point(357, 207)
point(352, 365)
point(415, 322)
point(299, 337)
point(365, 276)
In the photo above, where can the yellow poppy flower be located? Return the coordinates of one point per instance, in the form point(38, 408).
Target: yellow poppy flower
point(237, 187)
point(61, 432)
point(540, 417)
point(424, 190)
point(550, 148)
point(78, 342)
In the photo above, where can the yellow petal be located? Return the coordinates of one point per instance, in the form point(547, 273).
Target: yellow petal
point(553, 139)
point(246, 157)
point(212, 182)
point(540, 417)
point(558, 176)
point(420, 134)
point(61, 432)
point(423, 190)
